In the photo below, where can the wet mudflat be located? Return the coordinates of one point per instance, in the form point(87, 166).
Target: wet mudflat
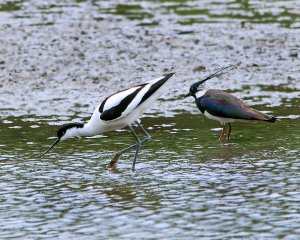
point(60, 58)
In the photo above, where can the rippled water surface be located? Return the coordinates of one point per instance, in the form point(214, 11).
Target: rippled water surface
point(60, 58)
point(187, 185)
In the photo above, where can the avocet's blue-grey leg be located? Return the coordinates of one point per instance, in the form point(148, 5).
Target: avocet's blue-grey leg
point(138, 146)
point(134, 146)
point(148, 137)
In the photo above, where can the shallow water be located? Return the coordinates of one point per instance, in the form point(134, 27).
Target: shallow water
point(60, 58)
point(186, 186)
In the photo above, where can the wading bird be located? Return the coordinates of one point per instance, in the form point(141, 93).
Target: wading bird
point(118, 111)
point(224, 107)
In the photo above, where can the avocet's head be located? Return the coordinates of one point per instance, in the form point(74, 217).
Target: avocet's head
point(68, 130)
point(64, 132)
point(199, 86)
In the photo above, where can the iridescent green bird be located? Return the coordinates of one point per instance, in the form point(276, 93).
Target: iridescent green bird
point(224, 107)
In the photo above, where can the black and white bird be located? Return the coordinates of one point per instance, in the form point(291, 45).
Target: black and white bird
point(224, 107)
point(118, 111)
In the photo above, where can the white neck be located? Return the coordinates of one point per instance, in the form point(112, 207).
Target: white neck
point(85, 131)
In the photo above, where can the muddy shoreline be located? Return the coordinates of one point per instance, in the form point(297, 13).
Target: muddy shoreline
point(68, 61)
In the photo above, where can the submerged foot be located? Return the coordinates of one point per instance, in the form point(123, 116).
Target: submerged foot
point(114, 161)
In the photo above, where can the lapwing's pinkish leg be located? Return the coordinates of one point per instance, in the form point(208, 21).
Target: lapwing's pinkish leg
point(222, 133)
point(229, 131)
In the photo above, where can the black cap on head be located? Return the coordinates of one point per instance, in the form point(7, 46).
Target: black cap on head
point(62, 130)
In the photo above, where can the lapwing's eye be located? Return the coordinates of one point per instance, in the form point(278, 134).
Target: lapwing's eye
point(193, 89)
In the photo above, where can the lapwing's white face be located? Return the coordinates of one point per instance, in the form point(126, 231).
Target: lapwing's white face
point(198, 91)
point(194, 89)
point(201, 87)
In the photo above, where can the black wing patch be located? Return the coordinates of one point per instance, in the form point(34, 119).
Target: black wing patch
point(102, 105)
point(117, 111)
point(104, 101)
point(155, 87)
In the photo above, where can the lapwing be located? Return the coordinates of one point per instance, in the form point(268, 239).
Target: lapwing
point(224, 107)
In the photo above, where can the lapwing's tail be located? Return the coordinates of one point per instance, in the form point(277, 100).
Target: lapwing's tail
point(272, 119)
point(257, 115)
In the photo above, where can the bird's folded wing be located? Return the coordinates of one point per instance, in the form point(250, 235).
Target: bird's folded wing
point(121, 104)
point(228, 106)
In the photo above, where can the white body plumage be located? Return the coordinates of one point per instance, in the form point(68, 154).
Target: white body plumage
point(121, 109)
